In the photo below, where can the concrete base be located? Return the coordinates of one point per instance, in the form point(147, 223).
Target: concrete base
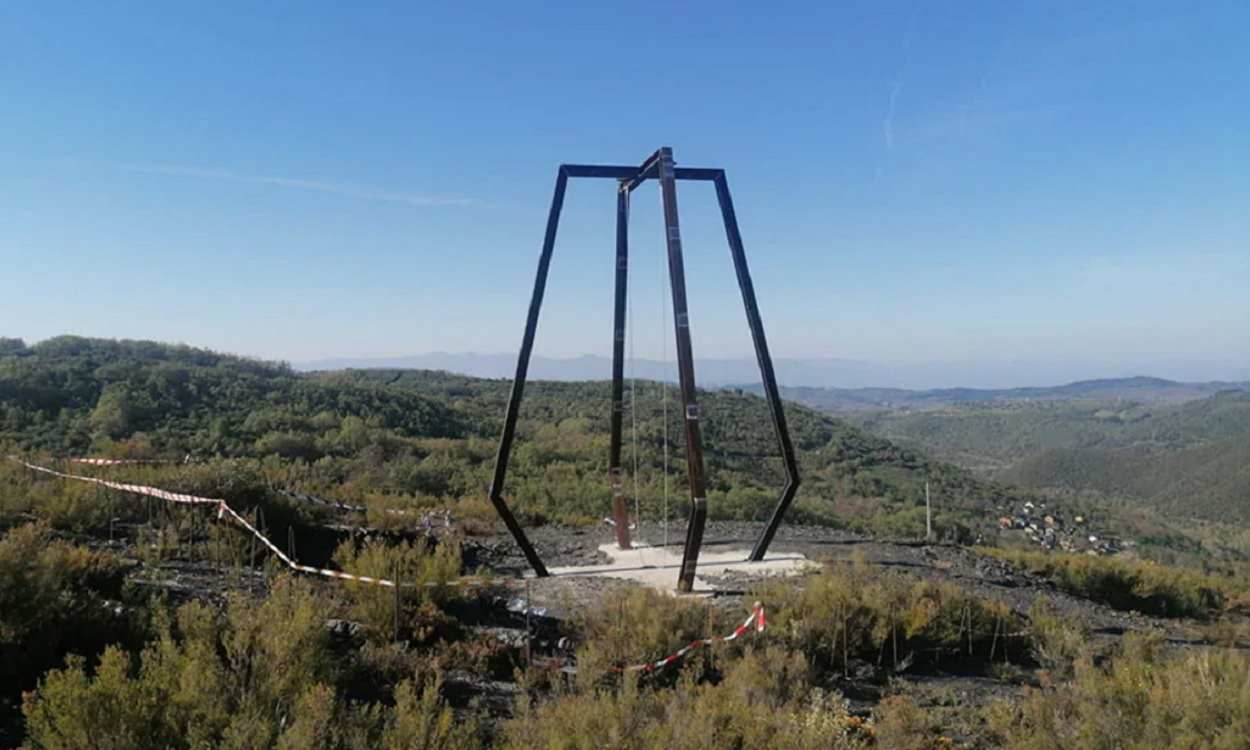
point(658, 566)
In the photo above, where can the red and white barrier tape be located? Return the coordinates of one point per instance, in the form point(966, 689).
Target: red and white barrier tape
point(125, 461)
point(137, 489)
point(223, 510)
point(286, 493)
point(756, 619)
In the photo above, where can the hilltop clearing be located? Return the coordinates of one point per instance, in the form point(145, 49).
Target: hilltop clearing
point(130, 621)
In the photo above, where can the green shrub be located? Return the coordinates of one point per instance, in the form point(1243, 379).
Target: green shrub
point(56, 598)
point(262, 675)
point(1057, 642)
point(202, 681)
point(72, 506)
point(909, 523)
point(423, 574)
point(763, 701)
point(1127, 585)
point(903, 724)
point(1141, 699)
point(842, 615)
point(422, 721)
point(635, 625)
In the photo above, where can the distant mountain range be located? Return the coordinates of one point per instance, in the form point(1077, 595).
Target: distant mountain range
point(831, 385)
point(710, 372)
point(1138, 389)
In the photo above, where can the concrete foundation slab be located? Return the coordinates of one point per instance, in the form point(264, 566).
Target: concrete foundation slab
point(658, 566)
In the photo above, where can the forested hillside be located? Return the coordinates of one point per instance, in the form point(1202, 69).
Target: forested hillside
point(1143, 390)
point(1210, 481)
point(128, 623)
point(1185, 459)
point(72, 395)
point(431, 436)
point(987, 438)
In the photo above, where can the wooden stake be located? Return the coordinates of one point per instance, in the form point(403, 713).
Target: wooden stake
point(881, 653)
point(846, 648)
point(894, 638)
point(395, 578)
point(708, 629)
point(928, 514)
point(1006, 643)
point(251, 558)
point(969, 611)
point(264, 531)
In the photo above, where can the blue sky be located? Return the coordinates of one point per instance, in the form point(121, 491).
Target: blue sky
point(1006, 193)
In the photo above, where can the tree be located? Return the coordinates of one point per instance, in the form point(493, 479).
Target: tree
point(111, 416)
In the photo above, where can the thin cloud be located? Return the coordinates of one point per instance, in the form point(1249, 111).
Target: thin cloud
point(970, 123)
point(887, 125)
point(365, 192)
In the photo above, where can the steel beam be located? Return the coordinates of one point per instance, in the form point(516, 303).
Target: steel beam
point(635, 176)
point(518, 381)
point(685, 370)
point(658, 166)
point(767, 376)
point(645, 171)
point(600, 170)
point(620, 514)
point(698, 173)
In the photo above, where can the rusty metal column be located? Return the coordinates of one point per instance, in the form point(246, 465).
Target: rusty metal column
point(518, 381)
point(767, 375)
point(685, 368)
point(620, 513)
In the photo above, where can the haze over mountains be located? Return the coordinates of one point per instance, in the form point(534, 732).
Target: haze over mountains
point(1171, 445)
point(937, 381)
point(1176, 447)
point(1139, 389)
point(711, 372)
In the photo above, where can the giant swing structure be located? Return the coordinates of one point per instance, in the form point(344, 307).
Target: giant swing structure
point(660, 167)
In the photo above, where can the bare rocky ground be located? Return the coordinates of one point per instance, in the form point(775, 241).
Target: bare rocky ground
point(952, 696)
point(982, 575)
point(532, 615)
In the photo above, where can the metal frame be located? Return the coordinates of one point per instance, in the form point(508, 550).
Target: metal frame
point(660, 167)
point(620, 513)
